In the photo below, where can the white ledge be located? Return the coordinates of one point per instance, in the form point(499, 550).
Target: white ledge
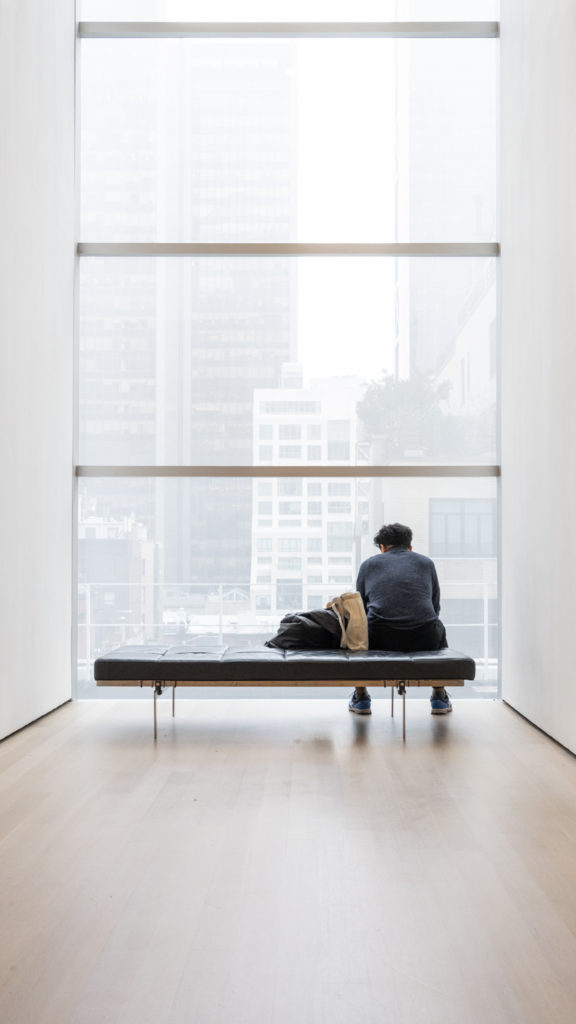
point(292, 471)
point(291, 29)
point(288, 249)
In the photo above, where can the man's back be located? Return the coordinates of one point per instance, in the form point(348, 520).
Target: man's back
point(400, 589)
point(401, 596)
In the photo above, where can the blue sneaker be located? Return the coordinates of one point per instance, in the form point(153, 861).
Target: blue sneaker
point(440, 703)
point(360, 705)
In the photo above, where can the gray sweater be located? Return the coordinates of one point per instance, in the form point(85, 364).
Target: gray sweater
point(399, 588)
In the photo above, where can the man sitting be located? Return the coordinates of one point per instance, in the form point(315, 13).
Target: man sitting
point(401, 596)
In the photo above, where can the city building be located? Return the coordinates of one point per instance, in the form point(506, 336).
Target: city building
point(307, 533)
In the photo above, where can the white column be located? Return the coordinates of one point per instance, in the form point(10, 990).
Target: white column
point(36, 378)
point(539, 362)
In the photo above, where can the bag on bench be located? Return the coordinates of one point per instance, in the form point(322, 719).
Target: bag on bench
point(349, 608)
point(342, 623)
point(318, 629)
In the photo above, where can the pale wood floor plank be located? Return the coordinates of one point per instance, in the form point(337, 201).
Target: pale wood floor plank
point(273, 862)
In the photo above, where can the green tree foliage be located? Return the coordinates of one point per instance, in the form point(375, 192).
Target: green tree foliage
point(408, 418)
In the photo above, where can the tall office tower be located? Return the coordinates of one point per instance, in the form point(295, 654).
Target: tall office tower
point(184, 140)
point(225, 326)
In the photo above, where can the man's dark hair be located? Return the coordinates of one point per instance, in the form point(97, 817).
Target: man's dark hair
point(394, 536)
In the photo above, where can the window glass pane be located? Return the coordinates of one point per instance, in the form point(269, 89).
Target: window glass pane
point(290, 544)
point(184, 361)
point(289, 10)
point(290, 487)
point(178, 559)
point(266, 140)
point(289, 432)
point(463, 528)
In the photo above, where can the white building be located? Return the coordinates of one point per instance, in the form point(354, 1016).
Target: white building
point(306, 532)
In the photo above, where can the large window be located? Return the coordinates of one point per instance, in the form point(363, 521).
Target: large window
point(287, 312)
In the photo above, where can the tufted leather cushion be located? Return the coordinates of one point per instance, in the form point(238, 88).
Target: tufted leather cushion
point(256, 664)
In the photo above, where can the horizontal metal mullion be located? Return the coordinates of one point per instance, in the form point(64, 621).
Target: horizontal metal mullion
point(290, 30)
point(288, 249)
point(290, 471)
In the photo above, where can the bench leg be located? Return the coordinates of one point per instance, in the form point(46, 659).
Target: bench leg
point(158, 689)
point(402, 693)
point(173, 699)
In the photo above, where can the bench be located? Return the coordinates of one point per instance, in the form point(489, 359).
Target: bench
point(160, 666)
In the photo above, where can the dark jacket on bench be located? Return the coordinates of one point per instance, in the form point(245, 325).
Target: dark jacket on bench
point(318, 630)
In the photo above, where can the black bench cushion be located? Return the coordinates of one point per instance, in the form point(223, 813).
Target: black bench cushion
point(256, 664)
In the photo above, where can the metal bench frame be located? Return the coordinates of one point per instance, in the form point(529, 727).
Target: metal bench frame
point(159, 685)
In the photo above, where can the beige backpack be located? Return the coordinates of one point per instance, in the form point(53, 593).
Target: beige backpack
point(352, 618)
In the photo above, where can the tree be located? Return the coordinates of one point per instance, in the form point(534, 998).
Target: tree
point(408, 418)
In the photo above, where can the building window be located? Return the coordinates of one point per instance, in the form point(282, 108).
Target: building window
point(289, 488)
point(462, 528)
point(339, 544)
point(288, 595)
point(341, 529)
point(192, 360)
point(339, 508)
point(289, 432)
point(290, 563)
point(289, 544)
point(338, 451)
point(286, 408)
point(289, 508)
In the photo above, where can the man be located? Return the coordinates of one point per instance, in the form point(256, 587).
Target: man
point(401, 596)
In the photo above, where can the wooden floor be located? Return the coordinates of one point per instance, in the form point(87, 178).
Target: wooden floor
point(285, 862)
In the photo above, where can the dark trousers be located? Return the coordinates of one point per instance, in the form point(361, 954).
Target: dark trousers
point(430, 637)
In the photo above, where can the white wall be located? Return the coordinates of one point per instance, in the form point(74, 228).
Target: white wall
point(539, 362)
point(36, 322)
